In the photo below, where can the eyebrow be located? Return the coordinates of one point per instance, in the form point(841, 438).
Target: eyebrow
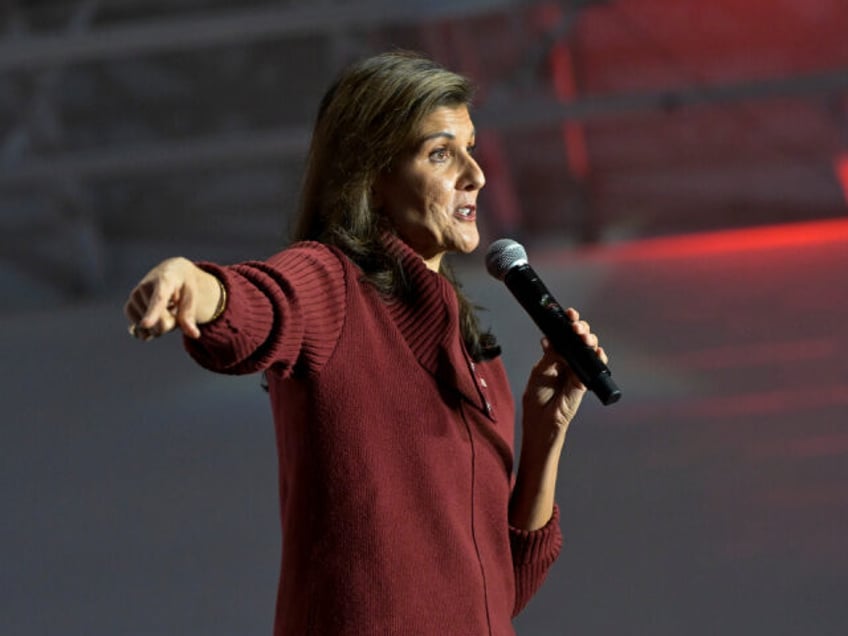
point(444, 133)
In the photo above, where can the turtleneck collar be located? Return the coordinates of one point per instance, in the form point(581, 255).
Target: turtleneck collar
point(429, 322)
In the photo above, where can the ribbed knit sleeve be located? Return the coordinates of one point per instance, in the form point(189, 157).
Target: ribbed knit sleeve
point(533, 553)
point(283, 312)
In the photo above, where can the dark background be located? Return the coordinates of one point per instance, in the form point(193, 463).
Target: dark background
point(676, 169)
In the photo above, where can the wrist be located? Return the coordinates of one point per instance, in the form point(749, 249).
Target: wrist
point(532, 498)
point(542, 443)
point(536, 464)
point(222, 300)
point(213, 298)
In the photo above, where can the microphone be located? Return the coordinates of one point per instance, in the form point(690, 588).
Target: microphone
point(506, 260)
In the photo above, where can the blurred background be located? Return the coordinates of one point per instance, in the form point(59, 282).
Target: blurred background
point(676, 169)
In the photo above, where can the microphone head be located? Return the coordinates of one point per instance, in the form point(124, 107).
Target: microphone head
point(503, 255)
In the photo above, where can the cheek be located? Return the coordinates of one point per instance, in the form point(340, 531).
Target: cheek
point(439, 201)
point(416, 203)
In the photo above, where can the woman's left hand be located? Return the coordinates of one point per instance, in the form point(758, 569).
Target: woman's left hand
point(554, 392)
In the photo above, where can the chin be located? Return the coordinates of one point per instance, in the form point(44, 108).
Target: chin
point(470, 244)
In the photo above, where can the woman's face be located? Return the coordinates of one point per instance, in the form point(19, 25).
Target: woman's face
point(430, 195)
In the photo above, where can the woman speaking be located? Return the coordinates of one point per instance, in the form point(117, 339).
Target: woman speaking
point(402, 510)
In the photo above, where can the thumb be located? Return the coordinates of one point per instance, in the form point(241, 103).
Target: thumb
point(186, 312)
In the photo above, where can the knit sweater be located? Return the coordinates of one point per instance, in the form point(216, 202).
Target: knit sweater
point(395, 450)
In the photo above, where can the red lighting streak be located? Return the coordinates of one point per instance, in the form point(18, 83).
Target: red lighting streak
point(728, 241)
point(841, 167)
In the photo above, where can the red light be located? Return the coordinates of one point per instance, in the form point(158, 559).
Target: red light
point(565, 86)
point(841, 167)
point(562, 64)
point(728, 241)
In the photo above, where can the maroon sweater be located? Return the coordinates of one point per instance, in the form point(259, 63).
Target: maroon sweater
point(395, 450)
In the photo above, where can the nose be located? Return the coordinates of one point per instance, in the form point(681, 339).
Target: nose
point(472, 177)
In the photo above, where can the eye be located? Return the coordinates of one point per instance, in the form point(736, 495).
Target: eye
point(440, 155)
point(471, 148)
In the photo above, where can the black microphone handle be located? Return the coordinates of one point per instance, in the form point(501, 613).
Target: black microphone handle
point(543, 308)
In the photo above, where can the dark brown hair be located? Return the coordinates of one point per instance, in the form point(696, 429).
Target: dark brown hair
point(366, 119)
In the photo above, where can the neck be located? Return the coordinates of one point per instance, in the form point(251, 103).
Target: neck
point(434, 262)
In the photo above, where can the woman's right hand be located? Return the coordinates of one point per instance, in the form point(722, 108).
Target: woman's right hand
point(175, 293)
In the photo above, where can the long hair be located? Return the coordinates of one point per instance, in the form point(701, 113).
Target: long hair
point(366, 119)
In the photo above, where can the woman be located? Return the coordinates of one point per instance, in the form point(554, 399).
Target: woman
point(393, 414)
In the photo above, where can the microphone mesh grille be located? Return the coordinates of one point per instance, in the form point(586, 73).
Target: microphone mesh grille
point(503, 255)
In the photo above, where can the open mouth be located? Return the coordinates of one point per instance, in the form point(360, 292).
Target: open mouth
point(466, 213)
